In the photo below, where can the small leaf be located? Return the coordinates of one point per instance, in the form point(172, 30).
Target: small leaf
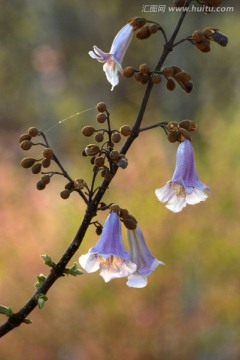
point(48, 260)
point(27, 321)
point(41, 299)
point(6, 310)
point(40, 279)
point(74, 271)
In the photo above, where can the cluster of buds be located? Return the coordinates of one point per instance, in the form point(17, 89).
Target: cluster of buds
point(202, 38)
point(180, 131)
point(175, 74)
point(128, 220)
point(102, 153)
point(142, 75)
point(144, 28)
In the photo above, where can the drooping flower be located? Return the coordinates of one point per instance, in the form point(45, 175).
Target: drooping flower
point(109, 254)
point(184, 187)
point(141, 256)
point(113, 59)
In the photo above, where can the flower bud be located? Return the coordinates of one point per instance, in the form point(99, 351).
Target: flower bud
point(176, 69)
point(139, 76)
point(99, 161)
point(145, 79)
point(46, 163)
point(88, 130)
point(33, 131)
point(143, 68)
point(65, 194)
point(137, 22)
point(79, 184)
point(197, 36)
point(101, 107)
point(114, 208)
point(214, 3)
point(114, 155)
point(172, 126)
point(123, 214)
point(122, 163)
point(128, 71)
point(47, 153)
point(99, 137)
point(143, 33)
point(92, 149)
point(36, 168)
point(26, 144)
point(40, 185)
point(45, 179)
point(125, 130)
point(153, 28)
point(69, 185)
point(101, 118)
point(188, 125)
point(167, 71)
point(173, 136)
point(183, 76)
point(116, 137)
point(156, 78)
point(24, 137)
point(204, 45)
point(130, 223)
point(170, 85)
point(27, 162)
point(98, 230)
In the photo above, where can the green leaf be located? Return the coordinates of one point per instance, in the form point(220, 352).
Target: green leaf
point(48, 260)
point(40, 279)
point(73, 270)
point(6, 310)
point(41, 299)
point(27, 321)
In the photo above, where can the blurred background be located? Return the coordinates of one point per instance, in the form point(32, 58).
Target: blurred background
point(191, 307)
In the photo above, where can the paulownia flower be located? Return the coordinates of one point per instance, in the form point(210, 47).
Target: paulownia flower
point(109, 254)
point(184, 187)
point(140, 255)
point(113, 59)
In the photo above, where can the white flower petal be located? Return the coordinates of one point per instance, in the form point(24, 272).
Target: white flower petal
point(176, 204)
point(111, 72)
point(136, 280)
point(196, 196)
point(89, 262)
point(114, 267)
point(165, 193)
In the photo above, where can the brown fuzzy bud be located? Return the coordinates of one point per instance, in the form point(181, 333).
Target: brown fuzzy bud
point(153, 28)
point(139, 76)
point(122, 162)
point(156, 78)
point(108, 176)
point(176, 69)
point(128, 71)
point(115, 208)
point(170, 85)
point(65, 194)
point(204, 45)
point(33, 131)
point(40, 185)
point(130, 223)
point(172, 126)
point(116, 137)
point(99, 161)
point(208, 32)
point(92, 149)
point(189, 125)
point(26, 144)
point(46, 163)
point(143, 68)
point(125, 130)
point(47, 153)
point(137, 22)
point(24, 137)
point(101, 118)
point(184, 134)
point(88, 130)
point(45, 179)
point(145, 79)
point(167, 71)
point(143, 33)
point(98, 230)
point(101, 107)
point(36, 168)
point(79, 184)
point(99, 137)
point(183, 76)
point(27, 162)
point(197, 36)
point(123, 214)
point(69, 185)
point(173, 136)
point(114, 155)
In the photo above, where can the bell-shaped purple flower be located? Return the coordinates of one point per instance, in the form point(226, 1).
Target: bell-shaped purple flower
point(185, 186)
point(109, 254)
point(140, 255)
point(113, 59)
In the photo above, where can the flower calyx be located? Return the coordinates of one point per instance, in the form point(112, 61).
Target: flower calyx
point(180, 131)
point(174, 74)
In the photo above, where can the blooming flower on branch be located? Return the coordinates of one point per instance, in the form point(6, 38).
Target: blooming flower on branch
point(185, 186)
point(140, 255)
point(113, 59)
point(109, 254)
